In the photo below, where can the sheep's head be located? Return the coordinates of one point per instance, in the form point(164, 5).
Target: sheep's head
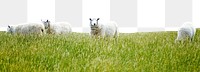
point(10, 29)
point(46, 24)
point(94, 23)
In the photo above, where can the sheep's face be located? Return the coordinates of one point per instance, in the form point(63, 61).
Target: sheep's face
point(10, 29)
point(46, 24)
point(94, 23)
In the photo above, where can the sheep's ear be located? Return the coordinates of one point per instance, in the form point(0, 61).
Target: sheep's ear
point(98, 18)
point(47, 21)
point(9, 26)
point(90, 19)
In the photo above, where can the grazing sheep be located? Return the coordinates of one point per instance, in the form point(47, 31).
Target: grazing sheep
point(26, 28)
point(109, 30)
point(187, 30)
point(57, 28)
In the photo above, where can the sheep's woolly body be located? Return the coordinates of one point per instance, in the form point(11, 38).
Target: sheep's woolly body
point(27, 28)
point(186, 30)
point(59, 28)
point(109, 29)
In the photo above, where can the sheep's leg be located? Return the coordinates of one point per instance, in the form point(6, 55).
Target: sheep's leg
point(116, 34)
point(103, 33)
point(191, 39)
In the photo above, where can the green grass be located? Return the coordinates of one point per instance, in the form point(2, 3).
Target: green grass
point(147, 52)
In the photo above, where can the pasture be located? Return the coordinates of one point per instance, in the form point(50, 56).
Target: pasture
point(136, 52)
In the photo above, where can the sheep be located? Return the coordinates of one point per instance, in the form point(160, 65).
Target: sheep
point(26, 29)
point(187, 30)
point(109, 30)
point(57, 28)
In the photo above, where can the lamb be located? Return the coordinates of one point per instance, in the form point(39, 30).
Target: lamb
point(109, 30)
point(187, 30)
point(57, 28)
point(26, 29)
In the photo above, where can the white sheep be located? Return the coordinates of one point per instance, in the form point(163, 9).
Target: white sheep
point(109, 30)
point(57, 28)
point(187, 30)
point(26, 29)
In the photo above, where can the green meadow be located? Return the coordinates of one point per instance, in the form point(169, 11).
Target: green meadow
point(135, 52)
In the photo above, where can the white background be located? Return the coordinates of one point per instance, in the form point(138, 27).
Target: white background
point(40, 9)
point(151, 13)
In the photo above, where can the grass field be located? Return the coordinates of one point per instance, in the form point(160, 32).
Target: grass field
point(147, 52)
